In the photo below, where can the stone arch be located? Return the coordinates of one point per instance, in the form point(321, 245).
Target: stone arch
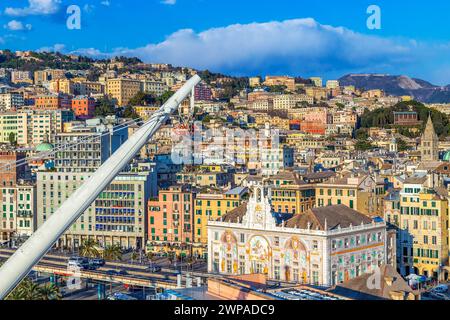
point(296, 260)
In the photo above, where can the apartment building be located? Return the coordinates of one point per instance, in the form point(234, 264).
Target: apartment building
point(212, 206)
point(421, 217)
point(118, 216)
point(10, 101)
point(83, 107)
point(290, 194)
point(290, 101)
point(18, 77)
point(32, 127)
point(171, 219)
point(286, 81)
point(122, 90)
point(157, 88)
point(52, 102)
point(363, 193)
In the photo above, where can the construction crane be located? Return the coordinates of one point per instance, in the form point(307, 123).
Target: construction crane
point(31, 252)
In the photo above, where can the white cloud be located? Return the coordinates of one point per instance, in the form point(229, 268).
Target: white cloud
point(292, 46)
point(169, 2)
point(35, 7)
point(15, 25)
point(55, 48)
point(106, 3)
point(296, 47)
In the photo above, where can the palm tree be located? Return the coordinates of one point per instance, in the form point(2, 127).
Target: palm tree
point(113, 252)
point(50, 292)
point(150, 256)
point(26, 290)
point(89, 249)
point(134, 256)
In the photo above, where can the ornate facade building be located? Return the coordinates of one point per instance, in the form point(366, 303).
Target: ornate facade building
point(324, 246)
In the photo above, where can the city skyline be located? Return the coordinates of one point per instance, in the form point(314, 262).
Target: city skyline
point(196, 34)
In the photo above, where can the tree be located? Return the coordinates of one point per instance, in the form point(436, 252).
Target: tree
point(142, 99)
point(50, 292)
point(26, 290)
point(384, 117)
point(12, 139)
point(340, 106)
point(402, 145)
point(164, 97)
point(29, 290)
point(105, 107)
point(129, 112)
point(364, 145)
point(113, 252)
point(89, 249)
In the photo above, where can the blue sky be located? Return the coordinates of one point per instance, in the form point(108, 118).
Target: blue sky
point(244, 37)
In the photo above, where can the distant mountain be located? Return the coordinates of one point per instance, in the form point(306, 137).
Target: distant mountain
point(421, 90)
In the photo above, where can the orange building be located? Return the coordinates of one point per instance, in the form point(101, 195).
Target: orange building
point(83, 107)
point(52, 102)
point(313, 128)
point(171, 218)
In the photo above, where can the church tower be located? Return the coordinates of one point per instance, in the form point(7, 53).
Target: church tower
point(429, 143)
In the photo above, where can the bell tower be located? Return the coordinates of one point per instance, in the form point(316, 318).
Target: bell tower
point(429, 144)
point(259, 211)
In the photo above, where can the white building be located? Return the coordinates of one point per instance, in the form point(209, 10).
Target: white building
point(324, 246)
point(10, 101)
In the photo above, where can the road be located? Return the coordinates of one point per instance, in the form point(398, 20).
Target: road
point(135, 274)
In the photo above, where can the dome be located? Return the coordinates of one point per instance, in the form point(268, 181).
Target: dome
point(44, 147)
point(446, 156)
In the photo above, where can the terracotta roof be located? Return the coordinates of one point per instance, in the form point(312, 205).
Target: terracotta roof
point(236, 214)
point(391, 284)
point(331, 216)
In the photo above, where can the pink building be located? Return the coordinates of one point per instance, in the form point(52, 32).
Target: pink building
point(171, 217)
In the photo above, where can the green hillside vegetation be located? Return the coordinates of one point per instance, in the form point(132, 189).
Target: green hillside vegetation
point(384, 118)
point(44, 60)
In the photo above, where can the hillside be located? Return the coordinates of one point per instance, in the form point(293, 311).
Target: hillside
point(421, 90)
point(384, 118)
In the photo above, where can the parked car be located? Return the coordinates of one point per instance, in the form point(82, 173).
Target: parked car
point(123, 272)
point(111, 272)
point(97, 262)
point(154, 268)
point(79, 262)
point(78, 259)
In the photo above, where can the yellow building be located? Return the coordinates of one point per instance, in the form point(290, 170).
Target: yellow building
point(290, 194)
point(362, 193)
point(424, 236)
point(210, 206)
point(122, 90)
point(145, 112)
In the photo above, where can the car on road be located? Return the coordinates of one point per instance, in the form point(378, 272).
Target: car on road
point(112, 273)
point(78, 259)
point(123, 272)
point(153, 268)
point(97, 262)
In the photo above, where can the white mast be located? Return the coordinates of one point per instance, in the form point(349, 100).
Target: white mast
point(23, 260)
